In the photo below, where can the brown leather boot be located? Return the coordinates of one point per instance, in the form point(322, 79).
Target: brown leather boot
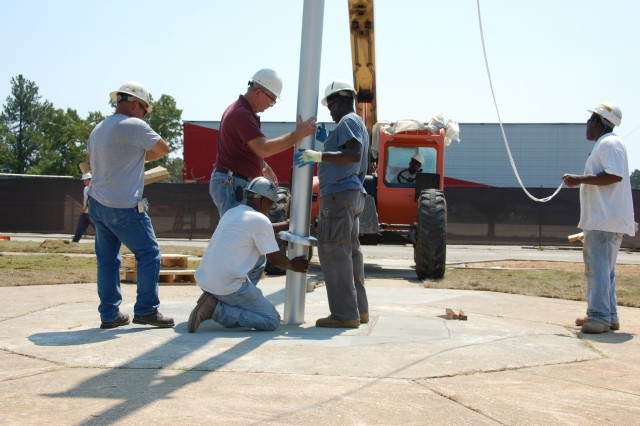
point(203, 311)
point(334, 323)
point(583, 320)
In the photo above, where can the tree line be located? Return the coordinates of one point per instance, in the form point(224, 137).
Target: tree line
point(39, 139)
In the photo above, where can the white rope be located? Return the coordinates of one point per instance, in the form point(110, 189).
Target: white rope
point(631, 132)
point(504, 136)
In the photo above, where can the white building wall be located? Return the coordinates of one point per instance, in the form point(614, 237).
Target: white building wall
point(542, 152)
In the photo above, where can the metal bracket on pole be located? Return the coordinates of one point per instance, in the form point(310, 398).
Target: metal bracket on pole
point(298, 239)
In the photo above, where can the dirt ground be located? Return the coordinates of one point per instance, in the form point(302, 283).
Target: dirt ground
point(628, 270)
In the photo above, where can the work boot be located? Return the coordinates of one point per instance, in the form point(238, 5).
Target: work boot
point(155, 319)
point(581, 321)
point(364, 317)
point(334, 323)
point(594, 327)
point(122, 319)
point(203, 311)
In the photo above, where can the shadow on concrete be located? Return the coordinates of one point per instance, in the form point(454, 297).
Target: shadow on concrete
point(611, 337)
point(146, 383)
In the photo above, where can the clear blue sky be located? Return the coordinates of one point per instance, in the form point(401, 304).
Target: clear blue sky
point(549, 59)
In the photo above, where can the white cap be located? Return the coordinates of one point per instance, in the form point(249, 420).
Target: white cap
point(419, 158)
point(269, 79)
point(86, 176)
point(343, 87)
point(609, 111)
point(136, 90)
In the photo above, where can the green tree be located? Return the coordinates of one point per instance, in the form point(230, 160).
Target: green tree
point(166, 120)
point(635, 179)
point(5, 152)
point(174, 167)
point(65, 142)
point(21, 134)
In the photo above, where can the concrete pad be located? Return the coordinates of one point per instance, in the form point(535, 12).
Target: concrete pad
point(166, 397)
point(532, 397)
point(516, 359)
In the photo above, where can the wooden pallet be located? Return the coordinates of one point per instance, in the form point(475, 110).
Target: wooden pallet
point(173, 269)
point(167, 276)
point(166, 261)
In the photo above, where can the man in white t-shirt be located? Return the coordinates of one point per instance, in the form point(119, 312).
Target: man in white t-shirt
point(606, 214)
point(242, 235)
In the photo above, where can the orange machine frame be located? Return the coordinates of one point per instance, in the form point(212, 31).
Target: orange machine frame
point(397, 206)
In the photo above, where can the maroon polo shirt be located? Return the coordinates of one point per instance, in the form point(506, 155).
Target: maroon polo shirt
point(239, 125)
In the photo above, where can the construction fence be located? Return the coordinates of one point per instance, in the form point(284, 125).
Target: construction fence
point(52, 205)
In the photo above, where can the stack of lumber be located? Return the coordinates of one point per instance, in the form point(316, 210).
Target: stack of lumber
point(150, 176)
point(173, 269)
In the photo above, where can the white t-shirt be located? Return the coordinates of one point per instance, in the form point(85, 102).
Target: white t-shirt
point(241, 236)
point(607, 207)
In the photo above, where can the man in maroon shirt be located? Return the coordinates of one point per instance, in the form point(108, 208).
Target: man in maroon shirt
point(241, 144)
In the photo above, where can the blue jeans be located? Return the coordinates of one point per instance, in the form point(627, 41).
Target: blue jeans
point(115, 227)
point(600, 252)
point(247, 307)
point(222, 189)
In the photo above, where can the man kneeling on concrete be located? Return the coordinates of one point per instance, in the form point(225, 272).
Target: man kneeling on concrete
point(242, 235)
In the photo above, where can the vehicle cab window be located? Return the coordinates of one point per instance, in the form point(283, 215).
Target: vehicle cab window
point(404, 163)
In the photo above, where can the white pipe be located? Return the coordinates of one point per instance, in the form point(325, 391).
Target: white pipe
point(308, 86)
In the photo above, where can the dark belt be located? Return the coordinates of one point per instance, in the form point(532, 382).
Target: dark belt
point(232, 173)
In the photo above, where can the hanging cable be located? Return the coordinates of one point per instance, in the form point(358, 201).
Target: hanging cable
point(631, 132)
point(504, 136)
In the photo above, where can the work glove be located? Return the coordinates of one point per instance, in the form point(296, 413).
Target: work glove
point(304, 157)
point(321, 133)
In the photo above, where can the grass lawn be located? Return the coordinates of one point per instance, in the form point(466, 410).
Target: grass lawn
point(60, 262)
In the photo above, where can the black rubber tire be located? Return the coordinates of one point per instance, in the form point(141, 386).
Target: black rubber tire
point(430, 250)
point(279, 213)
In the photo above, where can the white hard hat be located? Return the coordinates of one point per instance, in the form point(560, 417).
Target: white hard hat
point(337, 86)
point(269, 79)
point(136, 90)
point(86, 176)
point(609, 111)
point(263, 187)
point(418, 157)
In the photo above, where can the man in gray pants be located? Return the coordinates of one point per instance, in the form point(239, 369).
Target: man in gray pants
point(342, 168)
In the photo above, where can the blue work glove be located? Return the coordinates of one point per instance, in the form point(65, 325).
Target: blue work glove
point(321, 133)
point(304, 157)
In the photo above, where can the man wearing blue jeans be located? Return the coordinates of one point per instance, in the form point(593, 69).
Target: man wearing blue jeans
point(117, 150)
point(606, 214)
point(244, 234)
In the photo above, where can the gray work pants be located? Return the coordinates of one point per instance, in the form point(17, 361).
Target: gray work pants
point(340, 254)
